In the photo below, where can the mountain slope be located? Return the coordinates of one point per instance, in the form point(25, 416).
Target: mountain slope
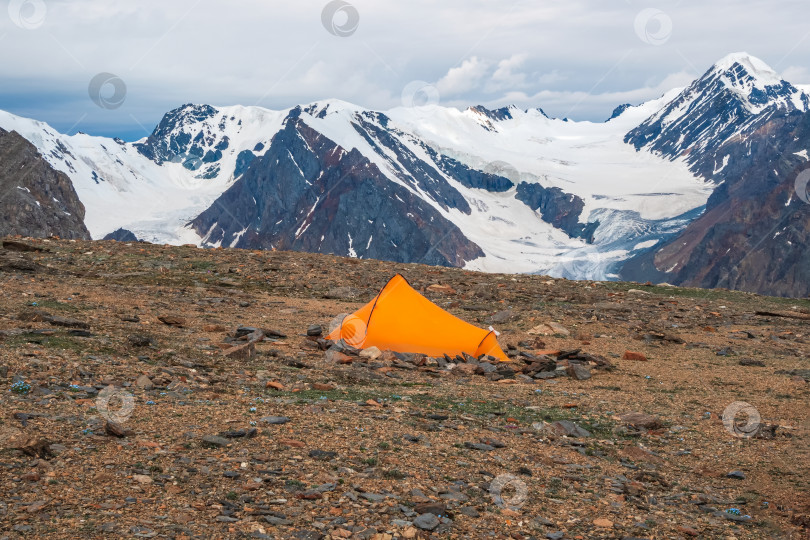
point(308, 194)
point(750, 235)
point(36, 200)
point(734, 97)
point(522, 187)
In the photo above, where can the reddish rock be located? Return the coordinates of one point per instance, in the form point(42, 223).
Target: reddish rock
point(444, 289)
point(214, 328)
point(240, 352)
point(547, 352)
point(630, 355)
point(291, 443)
point(337, 357)
point(465, 369)
point(173, 320)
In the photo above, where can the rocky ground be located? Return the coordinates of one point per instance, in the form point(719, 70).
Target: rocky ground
point(151, 391)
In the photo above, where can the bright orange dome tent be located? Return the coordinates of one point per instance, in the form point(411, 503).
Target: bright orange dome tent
point(402, 320)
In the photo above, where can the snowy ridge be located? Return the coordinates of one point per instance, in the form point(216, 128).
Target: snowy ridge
point(634, 199)
point(731, 99)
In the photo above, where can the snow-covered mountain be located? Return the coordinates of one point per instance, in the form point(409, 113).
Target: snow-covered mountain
point(737, 94)
point(743, 128)
point(521, 186)
point(496, 190)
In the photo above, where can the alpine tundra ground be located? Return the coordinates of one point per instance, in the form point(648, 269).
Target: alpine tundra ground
point(131, 405)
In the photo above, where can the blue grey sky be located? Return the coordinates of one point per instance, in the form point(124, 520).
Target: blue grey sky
point(573, 58)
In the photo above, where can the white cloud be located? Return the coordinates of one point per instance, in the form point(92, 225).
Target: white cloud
point(279, 54)
point(464, 78)
point(507, 76)
point(578, 104)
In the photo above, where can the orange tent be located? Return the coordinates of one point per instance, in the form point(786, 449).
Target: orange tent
point(402, 320)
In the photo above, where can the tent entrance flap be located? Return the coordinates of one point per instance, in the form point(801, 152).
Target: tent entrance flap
point(402, 320)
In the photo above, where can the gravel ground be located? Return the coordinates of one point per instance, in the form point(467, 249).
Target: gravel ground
point(151, 392)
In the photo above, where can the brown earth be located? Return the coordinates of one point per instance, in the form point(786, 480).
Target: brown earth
point(372, 446)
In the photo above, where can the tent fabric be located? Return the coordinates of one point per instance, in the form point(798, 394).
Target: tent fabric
point(402, 320)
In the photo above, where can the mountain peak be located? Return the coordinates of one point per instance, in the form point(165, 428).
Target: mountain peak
point(503, 113)
point(738, 93)
point(742, 68)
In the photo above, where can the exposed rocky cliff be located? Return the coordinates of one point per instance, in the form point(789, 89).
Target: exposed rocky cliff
point(35, 199)
point(309, 194)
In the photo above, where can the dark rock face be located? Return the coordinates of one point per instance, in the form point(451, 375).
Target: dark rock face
point(419, 174)
point(755, 228)
point(617, 112)
point(168, 142)
point(468, 177)
point(309, 194)
point(496, 115)
point(36, 200)
point(560, 209)
point(122, 235)
point(243, 161)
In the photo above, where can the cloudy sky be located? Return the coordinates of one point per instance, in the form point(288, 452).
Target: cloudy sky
point(574, 58)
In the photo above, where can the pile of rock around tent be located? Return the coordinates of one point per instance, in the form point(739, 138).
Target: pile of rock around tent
point(403, 327)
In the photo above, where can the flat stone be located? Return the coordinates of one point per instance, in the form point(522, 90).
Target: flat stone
point(469, 511)
point(750, 362)
point(426, 522)
point(215, 441)
point(138, 340)
point(274, 520)
point(631, 355)
point(144, 382)
point(567, 428)
point(479, 446)
point(372, 353)
point(432, 507)
point(641, 420)
point(322, 454)
point(241, 352)
point(314, 330)
point(173, 320)
point(274, 420)
point(579, 372)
